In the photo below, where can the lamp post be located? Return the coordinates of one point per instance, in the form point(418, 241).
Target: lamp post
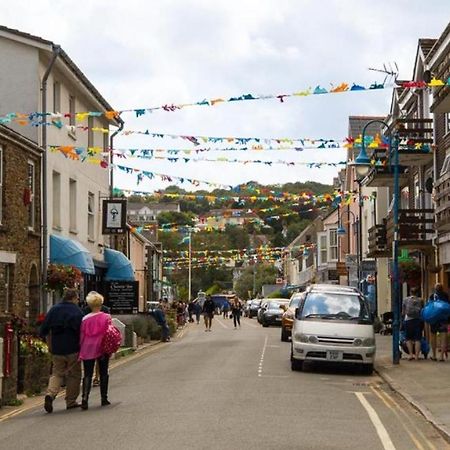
point(362, 162)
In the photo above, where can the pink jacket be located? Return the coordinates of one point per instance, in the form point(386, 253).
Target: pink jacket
point(93, 329)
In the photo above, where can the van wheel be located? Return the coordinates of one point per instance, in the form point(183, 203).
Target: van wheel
point(367, 369)
point(284, 335)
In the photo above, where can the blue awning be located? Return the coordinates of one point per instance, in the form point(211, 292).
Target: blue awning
point(119, 266)
point(71, 253)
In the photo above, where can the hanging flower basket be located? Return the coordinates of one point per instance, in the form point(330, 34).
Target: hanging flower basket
point(60, 277)
point(410, 273)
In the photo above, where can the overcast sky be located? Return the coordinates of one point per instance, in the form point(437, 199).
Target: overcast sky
point(143, 53)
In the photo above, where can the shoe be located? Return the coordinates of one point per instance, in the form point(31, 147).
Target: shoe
point(48, 403)
point(95, 382)
point(73, 406)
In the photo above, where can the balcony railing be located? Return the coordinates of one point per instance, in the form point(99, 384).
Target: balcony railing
point(378, 242)
point(415, 140)
point(415, 228)
point(442, 198)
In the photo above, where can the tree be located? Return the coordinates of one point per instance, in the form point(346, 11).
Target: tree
point(255, 276)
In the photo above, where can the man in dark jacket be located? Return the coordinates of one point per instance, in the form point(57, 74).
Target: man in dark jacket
point(208, 312)
point(63, 323)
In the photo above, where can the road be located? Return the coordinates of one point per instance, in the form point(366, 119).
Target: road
point(228, 389)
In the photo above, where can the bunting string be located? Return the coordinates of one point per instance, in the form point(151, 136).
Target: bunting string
point(39, 118)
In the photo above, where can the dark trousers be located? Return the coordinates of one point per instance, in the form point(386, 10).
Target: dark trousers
point(89, 365)
point(237, 318)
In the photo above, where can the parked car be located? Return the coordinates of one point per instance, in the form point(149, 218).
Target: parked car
point(334, 324)
point(287, 319)
point(271, 311)
point(247, 308)
point(254, 306)
point(151, 306)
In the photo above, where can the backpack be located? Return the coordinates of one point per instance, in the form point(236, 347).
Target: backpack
point(111, 341)
point(413, 307)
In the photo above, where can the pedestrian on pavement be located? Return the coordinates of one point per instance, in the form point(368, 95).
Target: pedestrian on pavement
point(236, 311)
point(93, 331)
point(225, 309)
point(86, 310)
point(411, 309)
point(160, 316)
point(191, 308)
point(208, 312)
point(440, 327)
point(197, 311)
point(62, 323)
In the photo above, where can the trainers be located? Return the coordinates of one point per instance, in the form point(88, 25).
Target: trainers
point(73, 405)
point(48, 403)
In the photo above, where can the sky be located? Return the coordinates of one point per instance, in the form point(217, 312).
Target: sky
point(141, 54)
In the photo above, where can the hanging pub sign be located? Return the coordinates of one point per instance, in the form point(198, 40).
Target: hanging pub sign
point(114, 216)
point(122, 296)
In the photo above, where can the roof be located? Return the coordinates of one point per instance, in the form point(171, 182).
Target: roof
point(134, 206)
point(68, 61)
point(17, 138)
point(426, 44)
point(313, 227)
point(357, 123)
point(438, 43)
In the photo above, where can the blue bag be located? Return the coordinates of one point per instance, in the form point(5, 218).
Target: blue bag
point(435, 311)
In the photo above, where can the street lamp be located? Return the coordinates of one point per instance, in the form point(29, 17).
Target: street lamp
point(341, 231)
point(362, 164)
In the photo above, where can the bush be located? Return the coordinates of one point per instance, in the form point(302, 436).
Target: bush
point(140, 326)
point(154, 330)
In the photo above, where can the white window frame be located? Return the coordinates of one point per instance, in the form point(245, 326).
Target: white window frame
point(72, 132)
point(73, 186)
point(56, 97)
point(332, 248)
point(445, 165)
point(447, 123)
point(56, 200)
point(322, 248)
point(91, 216)
point(90, 131)
point(32, 188)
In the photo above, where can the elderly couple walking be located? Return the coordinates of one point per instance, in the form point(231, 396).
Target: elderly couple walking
point(74, 337)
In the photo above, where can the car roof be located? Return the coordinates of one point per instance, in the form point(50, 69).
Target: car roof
point(276, 300)
point(334, 289)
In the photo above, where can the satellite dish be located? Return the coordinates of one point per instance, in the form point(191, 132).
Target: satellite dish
point(429, 185)
point(427, 76)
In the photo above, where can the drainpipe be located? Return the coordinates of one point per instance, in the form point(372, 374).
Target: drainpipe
point(56, 52)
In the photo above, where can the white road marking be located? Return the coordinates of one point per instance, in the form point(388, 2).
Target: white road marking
point(221, 324)
point(245, 322)
point(261, 361)
point(379, 427)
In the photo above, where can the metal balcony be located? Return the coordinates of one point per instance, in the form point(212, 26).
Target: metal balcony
point(378, 247)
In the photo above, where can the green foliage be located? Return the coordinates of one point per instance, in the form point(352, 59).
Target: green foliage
point(178, 218)
point(280, 293)
point(214, 289)
point(264, 274)
point(140, 326)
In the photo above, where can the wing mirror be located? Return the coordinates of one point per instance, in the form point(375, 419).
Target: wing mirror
point(283, 307)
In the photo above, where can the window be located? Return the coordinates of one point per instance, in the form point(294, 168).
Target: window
point(333, 244)
point(90, 131)
point(56, 183)
point(56, 97)
point(416, 191)
point(323, 251)
point(72, 205)
point(6, 273)
point(72, 111)
point(30, 195)
point(446, 165)
point(91, 215)
point(1, 184)
point(447, 122)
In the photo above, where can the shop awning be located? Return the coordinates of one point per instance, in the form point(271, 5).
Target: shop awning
point(71, 253)
point(119, 266)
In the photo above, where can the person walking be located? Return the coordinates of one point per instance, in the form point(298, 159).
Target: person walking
point(411, 308)
point(225, 309)
point(62, 325)
point(197, 311)
point(440, 327)
point(236, 311)
point(208, 312)
point(160, 316)
point(93, 330)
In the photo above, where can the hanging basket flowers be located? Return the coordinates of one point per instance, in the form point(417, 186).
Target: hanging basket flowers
point(60, 277)
point(410, 273)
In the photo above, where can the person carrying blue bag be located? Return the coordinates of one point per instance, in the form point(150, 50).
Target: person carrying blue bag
point(436, 313)
point(412, 323)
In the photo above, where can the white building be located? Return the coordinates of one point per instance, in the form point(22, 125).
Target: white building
point(75, 189)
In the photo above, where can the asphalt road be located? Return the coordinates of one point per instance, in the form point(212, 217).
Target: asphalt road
point(228, 389)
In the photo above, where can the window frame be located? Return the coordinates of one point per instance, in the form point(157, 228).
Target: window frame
point(90, 132)
point(321, 248)
point(332, 247)
point(73, 205)
point(446, 123)
point(91, 216)
point(1, 184)
point(56, 97)
point(56, 201)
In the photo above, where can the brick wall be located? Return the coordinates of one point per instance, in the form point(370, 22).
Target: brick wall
point(19, 281)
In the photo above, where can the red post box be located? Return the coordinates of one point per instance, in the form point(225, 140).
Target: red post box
point(7, 348)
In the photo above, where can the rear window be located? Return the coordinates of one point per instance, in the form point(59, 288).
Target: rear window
point(335, 306)
point(295, 301)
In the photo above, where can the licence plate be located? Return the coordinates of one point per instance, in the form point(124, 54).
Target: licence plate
point(333, 355)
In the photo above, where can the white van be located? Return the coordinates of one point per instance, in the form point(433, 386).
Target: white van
point(333, 323)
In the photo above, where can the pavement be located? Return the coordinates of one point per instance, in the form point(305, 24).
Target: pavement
point(425, 384)
point(225, 390)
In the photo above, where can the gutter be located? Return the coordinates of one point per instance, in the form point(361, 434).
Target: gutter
point(56, 53)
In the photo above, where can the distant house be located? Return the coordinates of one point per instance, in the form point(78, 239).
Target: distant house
point(142, 213)
point(220, 218)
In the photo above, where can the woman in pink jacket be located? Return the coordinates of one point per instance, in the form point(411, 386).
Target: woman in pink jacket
point(93, 330)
